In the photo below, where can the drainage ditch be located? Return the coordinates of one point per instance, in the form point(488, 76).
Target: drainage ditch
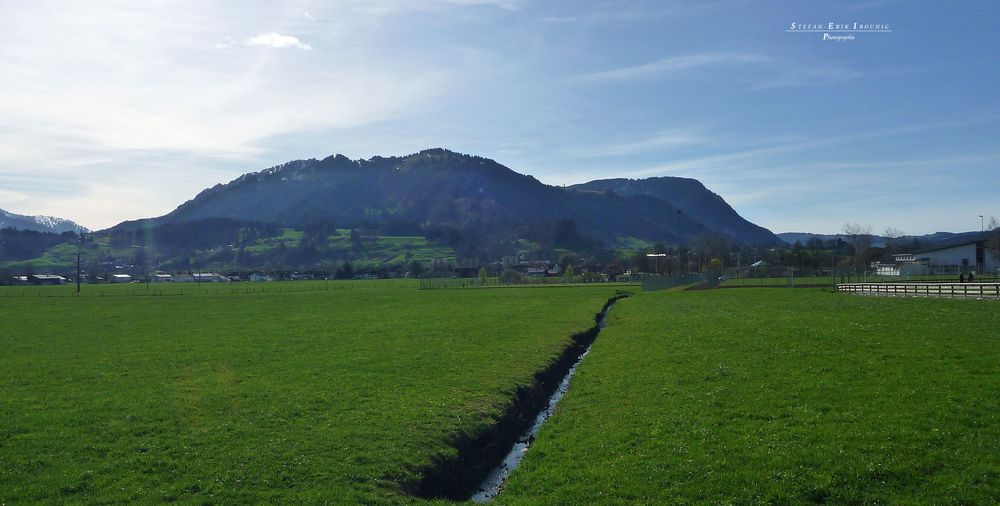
point(484, 460)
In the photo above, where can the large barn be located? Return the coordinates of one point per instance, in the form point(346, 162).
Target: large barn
point(46, 279)
point(967, 256)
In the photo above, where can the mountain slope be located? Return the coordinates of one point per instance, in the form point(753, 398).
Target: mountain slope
point(437, 187)
point(693, 199)
point(38, 223)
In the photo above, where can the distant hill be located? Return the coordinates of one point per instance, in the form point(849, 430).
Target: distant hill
point(937, 239)
point(482, 199)
point(804, 237)
point(692, 199)
point(38, 223)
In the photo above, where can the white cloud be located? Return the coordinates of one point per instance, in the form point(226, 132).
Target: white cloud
point(276, 40)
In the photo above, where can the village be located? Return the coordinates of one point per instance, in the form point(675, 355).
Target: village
point(970, 259)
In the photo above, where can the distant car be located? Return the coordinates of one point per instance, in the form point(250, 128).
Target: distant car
point(723, 278)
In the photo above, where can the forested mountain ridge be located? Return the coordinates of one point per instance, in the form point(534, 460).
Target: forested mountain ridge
point(437, 187)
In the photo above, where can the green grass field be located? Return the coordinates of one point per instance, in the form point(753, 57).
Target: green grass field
point(173, 289)
point(339, 392)
point(321, 396)
point(777, 396)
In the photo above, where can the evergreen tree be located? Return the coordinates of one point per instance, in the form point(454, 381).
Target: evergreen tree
point(345, 271)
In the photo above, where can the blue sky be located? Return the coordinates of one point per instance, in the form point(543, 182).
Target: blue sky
point(115, 110)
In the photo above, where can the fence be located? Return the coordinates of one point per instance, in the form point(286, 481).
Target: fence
point(843, 278)
point(653, 282)
point(950, 290)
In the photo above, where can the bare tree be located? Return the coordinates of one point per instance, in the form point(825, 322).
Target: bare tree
point(860, 236)
point(893, 235)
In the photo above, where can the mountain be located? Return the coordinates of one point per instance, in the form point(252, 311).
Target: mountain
point(38, 223)
point(482, 199)
point(692, 199)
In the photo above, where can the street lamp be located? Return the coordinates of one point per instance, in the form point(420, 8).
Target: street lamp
point(982, 224)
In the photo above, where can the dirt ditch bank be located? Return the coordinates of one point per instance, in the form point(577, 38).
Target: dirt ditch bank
point(487, 453)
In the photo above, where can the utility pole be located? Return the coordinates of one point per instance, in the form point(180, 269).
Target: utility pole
point(79, 246)
point(982, 230)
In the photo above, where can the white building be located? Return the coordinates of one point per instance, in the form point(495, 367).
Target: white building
point(972, 256)
point(902, 268)
point(208, 277)
point(45, 279)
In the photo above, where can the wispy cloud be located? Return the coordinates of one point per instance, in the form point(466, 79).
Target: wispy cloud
point(757, 71)
point(673, 65)
point(668, 139)
point(503, 4)
point(830, 74)
point(762, 153)
point(277, 41)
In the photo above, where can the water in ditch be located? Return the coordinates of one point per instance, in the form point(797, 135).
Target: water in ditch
point(493, 483)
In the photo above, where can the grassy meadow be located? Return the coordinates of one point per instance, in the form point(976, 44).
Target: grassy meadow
point(339, 392)
point(286, 396)
point(777, 396)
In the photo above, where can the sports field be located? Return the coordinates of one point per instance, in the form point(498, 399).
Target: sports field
point(777, 396)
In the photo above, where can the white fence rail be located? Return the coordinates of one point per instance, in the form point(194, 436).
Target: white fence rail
point(951, 290)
